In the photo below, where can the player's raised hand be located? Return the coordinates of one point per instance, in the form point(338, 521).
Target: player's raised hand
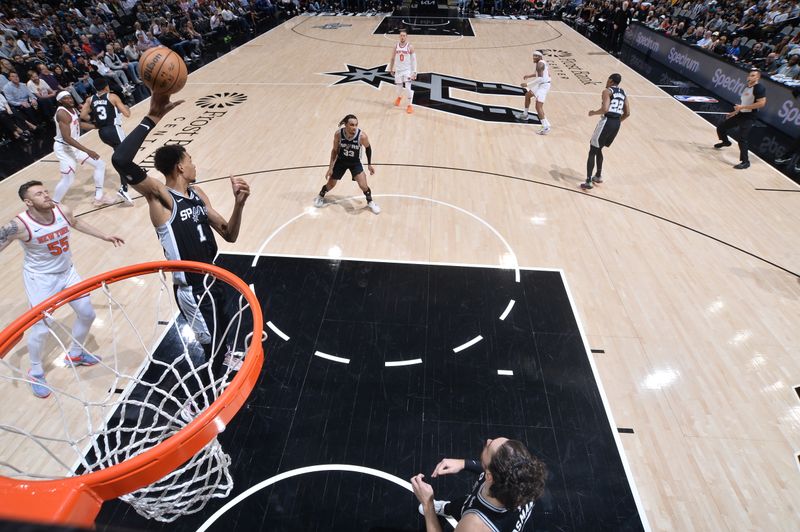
point(422, 490)
point(241, 189)
point(161, 105)
point(448, 466)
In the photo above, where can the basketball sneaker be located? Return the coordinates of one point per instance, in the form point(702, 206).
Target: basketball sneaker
point(438, 507)
point(397, 101)
point(543, 131)
point(374, 207)
point(597, 179)
point(742, 165)
point(39, 386)
point(84, 359)
point(409, 109)
point(319, 201)
point(587, 185)
point(784, 160)
point(723, 144)
point(123, 193)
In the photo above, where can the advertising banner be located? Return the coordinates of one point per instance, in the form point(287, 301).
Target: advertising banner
point(724, 79)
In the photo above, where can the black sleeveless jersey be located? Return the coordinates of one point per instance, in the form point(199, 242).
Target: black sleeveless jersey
point(617, 104)
point(349, 150)
point(103, 112)
point(187, 235)
point(497, 519)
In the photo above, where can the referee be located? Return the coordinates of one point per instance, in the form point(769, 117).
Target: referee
point(754, 97)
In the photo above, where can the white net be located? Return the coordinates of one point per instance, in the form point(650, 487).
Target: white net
point(152, 379)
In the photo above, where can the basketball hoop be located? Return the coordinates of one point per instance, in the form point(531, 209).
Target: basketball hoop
point(161, 457)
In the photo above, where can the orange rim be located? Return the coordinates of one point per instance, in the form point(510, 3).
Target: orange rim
point(77, 500)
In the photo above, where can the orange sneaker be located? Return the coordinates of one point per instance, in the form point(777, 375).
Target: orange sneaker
point(409, 109)
point(397, 101)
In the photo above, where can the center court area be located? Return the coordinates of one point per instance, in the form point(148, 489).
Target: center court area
point(653, 341)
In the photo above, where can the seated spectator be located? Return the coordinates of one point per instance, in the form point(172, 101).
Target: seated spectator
point(114, 77)
point(193, 36)
point(706, 41)
point(117, 64)
point(80, 73)
point(9, 48)
point(86, 46)
point(734, 50)
point(22, 102)
point(143, 43)
point(43, 92)
point(48, 77)
point(720, 46)
point(68, 83)
point(131, 52)
point(790, 69)
point(11, 124)
point(754, 54)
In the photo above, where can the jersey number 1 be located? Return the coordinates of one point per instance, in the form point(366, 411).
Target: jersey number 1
point(201, 233)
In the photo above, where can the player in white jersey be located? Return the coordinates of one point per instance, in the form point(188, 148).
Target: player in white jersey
point(69, 151)
point(538, 89)
point(403, 67)
point(44, 230)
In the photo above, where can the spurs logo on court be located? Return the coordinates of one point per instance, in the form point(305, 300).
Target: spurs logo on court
point(333, 26)
point(220, 100)
point(433, 91)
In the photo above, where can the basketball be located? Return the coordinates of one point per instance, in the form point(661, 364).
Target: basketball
point(162, 70)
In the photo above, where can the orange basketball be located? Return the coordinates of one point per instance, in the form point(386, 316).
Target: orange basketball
point(162, 70)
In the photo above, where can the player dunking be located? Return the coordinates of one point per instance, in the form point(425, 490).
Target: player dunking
point(102, 112)
point(44, 230)
point(614, 110)
point(346, 155)
point(537, 89)
point(184, 218)
point(403, 66)
point(69, 151)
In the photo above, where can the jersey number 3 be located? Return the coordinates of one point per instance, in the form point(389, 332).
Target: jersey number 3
point(101, 112)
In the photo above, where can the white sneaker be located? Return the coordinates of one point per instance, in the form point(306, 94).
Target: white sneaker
point(438, 507)
point(543, 131)
point(319, 201)
point(374, 207)
point(122, 193)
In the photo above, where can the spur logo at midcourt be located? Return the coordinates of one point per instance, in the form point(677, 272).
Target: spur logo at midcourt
point(435, 91)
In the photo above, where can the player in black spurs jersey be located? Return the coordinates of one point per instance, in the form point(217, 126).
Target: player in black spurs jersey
point(614, 110)
point(102, 112)
point(502, 499)
point(346, 155)
point(184, 218)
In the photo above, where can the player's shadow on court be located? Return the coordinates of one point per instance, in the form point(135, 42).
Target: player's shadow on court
point(564, 175)
point(350, 205)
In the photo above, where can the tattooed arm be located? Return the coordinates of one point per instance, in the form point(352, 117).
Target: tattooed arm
point(11, 231)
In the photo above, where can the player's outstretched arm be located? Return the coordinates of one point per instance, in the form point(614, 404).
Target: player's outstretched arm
point(85, 227)
point(228, 229)
point(13, 230)
point(132, 173)
point(86, 119)
point(120, 105)
point(424, 494)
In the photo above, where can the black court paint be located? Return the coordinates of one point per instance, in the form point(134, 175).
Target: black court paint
point(306, 410)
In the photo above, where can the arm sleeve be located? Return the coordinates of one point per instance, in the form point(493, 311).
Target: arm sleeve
point(123, 156)
point(414, 62)
point(369, 154)
point(473, 465)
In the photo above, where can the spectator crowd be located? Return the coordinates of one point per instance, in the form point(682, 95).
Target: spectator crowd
point(47, 46)
point(763, 34)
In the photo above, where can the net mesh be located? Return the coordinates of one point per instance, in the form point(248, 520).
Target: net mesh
point(153, 378)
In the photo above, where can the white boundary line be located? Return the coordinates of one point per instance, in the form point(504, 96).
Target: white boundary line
point(408, 196)
point(396, 363)
point(468, 344)
point(302, 471)
point(331, 357)
point(507, 310)
point(505, 372)
point(278, 331)
point(620, 449)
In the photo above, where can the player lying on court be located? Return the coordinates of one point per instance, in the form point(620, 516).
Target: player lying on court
point(184, 218)
point(346, 155)
point(43, 229)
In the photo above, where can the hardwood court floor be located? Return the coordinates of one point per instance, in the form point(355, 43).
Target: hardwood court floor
point(682, 272)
